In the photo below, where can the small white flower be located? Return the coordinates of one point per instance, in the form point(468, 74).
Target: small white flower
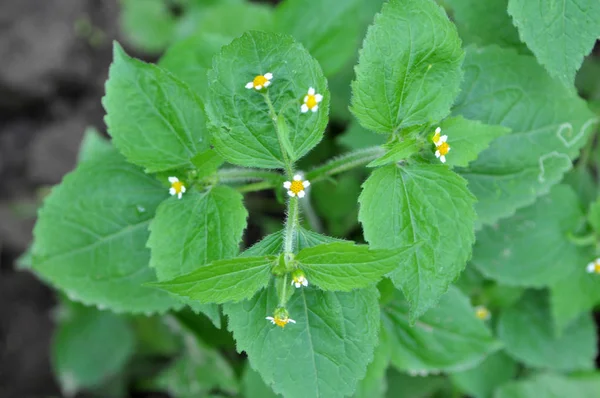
point(177, 187)
point(260, 81)
point(311, 101)
point(439, 139)
point(299, 279)
point(482, 313)
point(442, 147)
point(280, 318)
point(297, 186)
point(594, 267)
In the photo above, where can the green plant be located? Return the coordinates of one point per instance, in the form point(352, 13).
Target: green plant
point(469, 156)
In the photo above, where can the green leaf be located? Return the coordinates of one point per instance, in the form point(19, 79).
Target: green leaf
point(254, 386)
point(89, 347)
point(532, 247)
point(448, 337)
point(429, 203)
point(594, 216)
point(481, 381)
point(91, 233)
point(155, 120)
point(575, 293)
point(92, 145)
point(223, 280)
point(344, 266)
point(196, 230)
point(549, 125)
point(552, 385)
point(328, 348)
point(407, 79)
point(357, 137)
point(398, 152)
point(468, 138)
point(528, 335)
point(207, 163)
point(559, 32)
point(243, 130)
point(374, 384)
point(402, 385)
point(327, 28)
point(147, 24)
point(336, 202)
point(485, 22)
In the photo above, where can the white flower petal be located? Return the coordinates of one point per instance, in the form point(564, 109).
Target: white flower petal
point(287, 185)
point(179, 195)
point(297, 284)
point(259, 87)
point(443, 138)
point(291, 194)
point(443, 159)
point(590, 267)
point(183, 188)
point(268, 75)
point(437, 154)
point(172, 191)
point(315, 108)
point(311, 91)
point(297, 177)
point(318, 97)
point(304, 108)
point(449, 148)
point(438, 130)
point(306, 184)
point(250, 85)
point(270, 318)
point(301, 194)
point(267, 83)
point(305, 98)
point(305, 282)
point(173, 179)
point(291, 320)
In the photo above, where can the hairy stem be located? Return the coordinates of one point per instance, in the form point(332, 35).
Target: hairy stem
point(231, 175)
point(344, 163)
point(289, 168)
point(291, 225)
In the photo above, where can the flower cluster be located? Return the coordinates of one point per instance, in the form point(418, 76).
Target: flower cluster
point(311, 99)
point(280, 317)
point(594, 267)
point(296, 186)
point(441, 144)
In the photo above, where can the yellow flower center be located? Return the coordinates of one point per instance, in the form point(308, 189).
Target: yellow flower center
point(259, 80)
point(482, 313)
point(296, 187)
point(177, 185)
point(436, 137)
point(281, 322)
point(311, 101)
point(597, 268)
point(444, 148)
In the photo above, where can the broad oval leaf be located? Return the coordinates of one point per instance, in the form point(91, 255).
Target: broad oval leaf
point(90, 238)
point(244, 133)
point(528, 335)
point(552, 385)
point(448, 337)
point(409, 70)
point(559, 32)
point(154, 119)
point(429, 203)
point(549, 125)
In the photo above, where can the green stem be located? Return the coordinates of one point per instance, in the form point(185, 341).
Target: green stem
point(291, 225)
point(273, 115)
point(231, 175)
point(283, 292)
point(258, 186)
point(585, 240)
point(344, 163)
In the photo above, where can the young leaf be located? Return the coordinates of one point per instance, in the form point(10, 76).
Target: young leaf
point(482, 380)
point(559, 32)
point(328, 348)
point(528, 335)
point(429, 203)
point(91, 234)
point(549, 125)
point(89, 347)
point(244, 131)
point(407, 79)
point(346, 266)
point(552, 385)
point(532, 247)
point(196, 230)
point(485, 22)
point(223, 280)
point(327, 28)
point(468, 138)
point(398, 152)
point(154, 119)
point(448, 337)
point(147, 24)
